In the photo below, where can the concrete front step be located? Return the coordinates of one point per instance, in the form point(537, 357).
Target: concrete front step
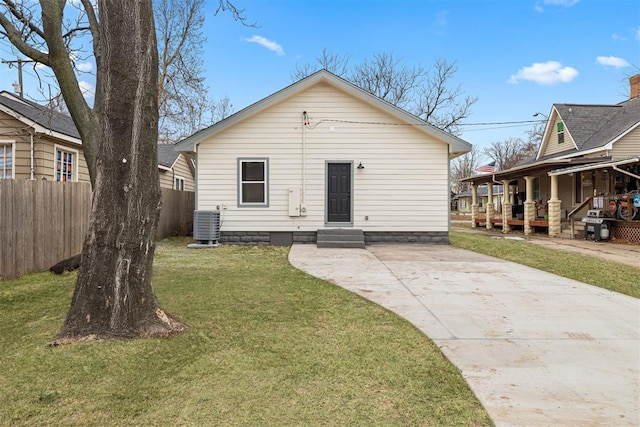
point(340, 238)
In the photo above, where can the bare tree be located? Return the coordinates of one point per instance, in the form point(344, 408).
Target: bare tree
point(463, 167)
point(427, 93)
point(441, 104)
point(337, 64)
point(385, 77)
point(183, 98)
point(113, 295)
point(535, 135)
point(509, 152)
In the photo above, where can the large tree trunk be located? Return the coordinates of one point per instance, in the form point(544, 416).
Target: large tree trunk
point(113, 295)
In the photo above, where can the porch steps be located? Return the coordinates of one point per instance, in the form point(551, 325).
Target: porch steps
point(340, 238)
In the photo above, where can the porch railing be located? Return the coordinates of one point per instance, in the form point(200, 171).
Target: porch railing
point(576, 210)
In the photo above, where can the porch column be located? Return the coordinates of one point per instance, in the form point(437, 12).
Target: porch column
point(529, 205)
point(474, 205)
point(491, 207)
point(554, 212)
point(506, 206)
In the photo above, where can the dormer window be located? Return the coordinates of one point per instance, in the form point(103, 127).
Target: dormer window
point(560, 127)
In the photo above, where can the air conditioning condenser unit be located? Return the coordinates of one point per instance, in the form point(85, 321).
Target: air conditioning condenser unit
point(206, 229)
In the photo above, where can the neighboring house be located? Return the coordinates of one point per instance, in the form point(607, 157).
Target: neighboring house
point(176, 169)
point(464, 199)
point(324, 154)
point(39, 143)
point(589, 158)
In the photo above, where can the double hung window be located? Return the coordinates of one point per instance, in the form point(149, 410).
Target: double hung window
point(178, 183)
point(560, 127)
point(253, 179)
point(6, 160)
point(65, 165)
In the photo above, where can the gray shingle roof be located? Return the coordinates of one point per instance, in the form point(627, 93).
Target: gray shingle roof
point(593, 126)
point(61, 123)
point(167, 155)
point(44, 116)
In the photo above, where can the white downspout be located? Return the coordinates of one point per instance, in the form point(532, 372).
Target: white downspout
point(32, 161)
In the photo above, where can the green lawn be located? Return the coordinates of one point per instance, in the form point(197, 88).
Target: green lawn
point(595, 271)
point(267, 345)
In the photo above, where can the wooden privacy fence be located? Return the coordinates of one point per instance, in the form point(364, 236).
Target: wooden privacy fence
point(43, 222)
point(176, 217)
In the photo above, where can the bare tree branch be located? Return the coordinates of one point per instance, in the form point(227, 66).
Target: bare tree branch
point(238, 14)
point(19, 38)
point(426, 92)
point(334, 63)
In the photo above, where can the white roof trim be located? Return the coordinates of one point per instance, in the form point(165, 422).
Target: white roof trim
point(591, 166)
point(39, 128)
point(456, 145)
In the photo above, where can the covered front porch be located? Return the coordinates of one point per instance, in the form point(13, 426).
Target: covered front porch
point(553, 196)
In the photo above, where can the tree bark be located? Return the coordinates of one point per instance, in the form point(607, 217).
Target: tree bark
point(114, 296)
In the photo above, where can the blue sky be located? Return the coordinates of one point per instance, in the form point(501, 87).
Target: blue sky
point(517, 56)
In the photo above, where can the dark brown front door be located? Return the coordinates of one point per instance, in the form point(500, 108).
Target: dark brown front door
point(339, 192)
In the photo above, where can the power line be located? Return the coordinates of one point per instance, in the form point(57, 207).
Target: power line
point(19, 62)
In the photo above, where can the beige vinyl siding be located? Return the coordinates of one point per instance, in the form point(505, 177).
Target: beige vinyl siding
point(552, 146)
point(166, 179)
point(11, 130)
point(180, 168)
point(628, 146)
point(403, 187)
point(45, 155)
point(43, 151)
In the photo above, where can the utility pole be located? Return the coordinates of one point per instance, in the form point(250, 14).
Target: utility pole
point(19, 62)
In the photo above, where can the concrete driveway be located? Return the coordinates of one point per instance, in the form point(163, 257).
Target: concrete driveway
point(537, 349)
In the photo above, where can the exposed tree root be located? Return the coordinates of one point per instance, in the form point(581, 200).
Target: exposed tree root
point(163, 326)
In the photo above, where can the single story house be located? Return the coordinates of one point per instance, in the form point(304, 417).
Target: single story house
point(324, 155)
point(589, 159)
point(464, 200)
point(177, 170)
point(37, 142)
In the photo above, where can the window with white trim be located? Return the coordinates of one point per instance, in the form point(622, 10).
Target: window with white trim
point(178, 183)
point(65, 165)
point(6, 160)
point(253, 179)
point(560, 127)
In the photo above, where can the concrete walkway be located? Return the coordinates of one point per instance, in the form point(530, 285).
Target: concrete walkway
point(537, 349)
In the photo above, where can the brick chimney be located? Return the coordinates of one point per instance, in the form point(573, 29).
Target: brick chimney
point(634, 85)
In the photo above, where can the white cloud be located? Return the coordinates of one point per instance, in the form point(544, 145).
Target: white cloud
point(545, 73)
point(617, 37)
point(442, 18)
point(612, 61)
point(87, 89)
point(271, 45)
point(564, 3)
point(84, 67)
point(638, 34)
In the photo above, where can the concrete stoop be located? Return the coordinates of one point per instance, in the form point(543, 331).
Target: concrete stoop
point(340, 238)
